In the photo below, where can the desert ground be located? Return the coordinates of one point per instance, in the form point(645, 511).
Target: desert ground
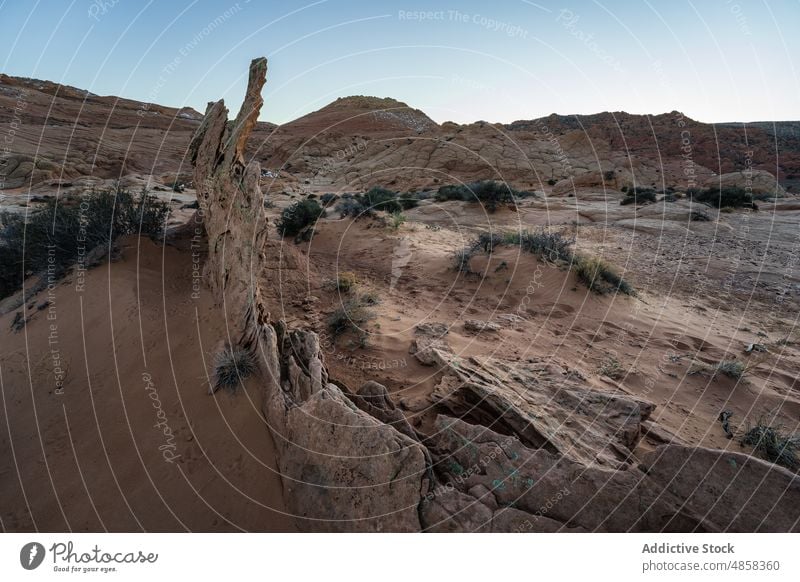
point(507, 396)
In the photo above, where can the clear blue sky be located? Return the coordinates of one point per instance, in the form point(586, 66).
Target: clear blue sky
point(715, 60)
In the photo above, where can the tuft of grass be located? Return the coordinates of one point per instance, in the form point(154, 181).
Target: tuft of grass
point(352, 315)
point(731, 368)
point(599, 276)
point(396, 220)
point(461, 260)
point(773, 443)
point(231, 366)
point(611, 368)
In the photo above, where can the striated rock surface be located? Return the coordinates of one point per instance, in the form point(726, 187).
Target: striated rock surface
point(544, 407)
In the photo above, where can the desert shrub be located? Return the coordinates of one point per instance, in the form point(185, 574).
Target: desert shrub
point(488, 192)
point(608, 175)
point(699, 216)
point(552, 182)
point(232, 365)
point(328, 198)
point(355, 208)
point(669, 197)
point(639, 196)
point(369, 298)
point(375, 199)
point(611, 368)
point(55, 236)
point(726, 197)
point(487, 241)
point(382, 199)
point(299, 216)
point(731, 368)
point(599, 276)
point(773, 443)
point(353, 314)
point(462, 258)
point(344, 283)
point(549, 245)
point(396, 220)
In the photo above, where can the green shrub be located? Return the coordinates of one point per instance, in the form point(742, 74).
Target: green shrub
point(328, 198)
point(375, 199)
point(299, 216)
point(55, 236)
point(488, 192)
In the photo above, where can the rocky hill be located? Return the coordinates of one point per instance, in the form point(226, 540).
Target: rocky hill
point(63, 134)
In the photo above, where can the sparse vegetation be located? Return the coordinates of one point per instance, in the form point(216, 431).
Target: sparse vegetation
point(550, 246)
point(328, 198)
point(731, 368)
point(461, 259)
point(346, 281)
point(699, 216)
point(773, 443)
point(726, 197)
point(55, 236)
point(376, 199)
point(353, 314)
point(232, 365)
point(396, 220)
point(611, 368)
point(639, 196)
point(599, 276)
point(299, 216)
point(488, 192)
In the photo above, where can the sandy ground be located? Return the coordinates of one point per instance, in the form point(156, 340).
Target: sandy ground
point(129, 440)
point(665, 342)
point(92, 459)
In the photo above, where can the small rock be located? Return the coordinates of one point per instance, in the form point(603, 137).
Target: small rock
point(477, 325)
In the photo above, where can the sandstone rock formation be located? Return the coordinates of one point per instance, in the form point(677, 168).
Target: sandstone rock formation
point(342, 468)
